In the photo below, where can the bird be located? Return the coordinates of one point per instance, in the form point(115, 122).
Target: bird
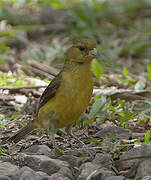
point(68, 94)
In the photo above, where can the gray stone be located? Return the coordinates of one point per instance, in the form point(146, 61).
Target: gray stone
point(58, 176)
point(118, 132)
point(147, 178)
point(137, 135)
point(8, 169)
point(40, 149)
point(72, 160)
point(101, 159)
point(5, 178)
point(86, 169)
point(82, 160)
point(66, 172)
point(42, 163)
point(143, 150)
point(43, 175)
point(27, 173)
point(115, 178)
point(144, 169)
point(40, 173)
point(101, 174)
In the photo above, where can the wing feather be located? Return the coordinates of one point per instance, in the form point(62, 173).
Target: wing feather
point(50, 91)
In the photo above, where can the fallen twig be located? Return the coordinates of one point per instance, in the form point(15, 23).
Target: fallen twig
point(42, 67)
point(22, 87)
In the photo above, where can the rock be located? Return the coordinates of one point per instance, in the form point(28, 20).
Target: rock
point(42, 163)
point(40, 173)
point(58, 176)
point(5, 178)
point(41, 150)
point(83, 160)
point(143, 150)
point(66, 172)
point(86, 169)
point(144, 169)
point(147, 178)
point(118, 132)
point(101, 174)
point(27, 173)
point(8, 169)
point(115, 178)
point(137, 135)
point(72, 160)
point(101, 159)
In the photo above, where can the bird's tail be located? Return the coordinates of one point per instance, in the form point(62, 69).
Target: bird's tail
point(21, 133)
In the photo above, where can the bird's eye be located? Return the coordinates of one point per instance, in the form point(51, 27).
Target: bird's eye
point(81, 48)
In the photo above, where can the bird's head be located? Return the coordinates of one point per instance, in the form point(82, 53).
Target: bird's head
point(83, 50)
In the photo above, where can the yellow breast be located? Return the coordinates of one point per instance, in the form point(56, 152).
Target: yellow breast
point(71, 99)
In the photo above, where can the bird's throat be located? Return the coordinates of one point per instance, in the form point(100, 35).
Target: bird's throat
point(73, 66)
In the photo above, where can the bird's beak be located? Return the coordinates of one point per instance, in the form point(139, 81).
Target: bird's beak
point(95, 53)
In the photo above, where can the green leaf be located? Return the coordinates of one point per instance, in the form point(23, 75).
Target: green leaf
point(2, 153)
point(15, 116)
point(112, 108)
point(127, 116)
point(142, 106)
point(88, 122)
point(140, 85)
point(97, 69)
point(96, 97)
point(92, 140)
point(121, 104)
point(149, 70)
point(97, 107)
point(61, 131)
point(128, 80)
point(147, 137)
point(58, 151)
point(79, 122)
point(100, 120)
point(125, 72)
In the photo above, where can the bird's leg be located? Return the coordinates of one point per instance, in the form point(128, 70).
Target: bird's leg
point(52, 124)
point(52, 133)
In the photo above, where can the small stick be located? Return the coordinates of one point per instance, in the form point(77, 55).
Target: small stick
point(22, 87)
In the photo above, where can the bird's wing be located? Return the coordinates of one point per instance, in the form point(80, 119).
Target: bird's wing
point(50, 91)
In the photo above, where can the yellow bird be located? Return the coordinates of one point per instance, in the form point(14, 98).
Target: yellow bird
point(68, 94)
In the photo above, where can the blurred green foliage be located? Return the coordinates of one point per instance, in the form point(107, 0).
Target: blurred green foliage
point(147, 137)
point(9, 80)
point(97, 69)
point(108, 20)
